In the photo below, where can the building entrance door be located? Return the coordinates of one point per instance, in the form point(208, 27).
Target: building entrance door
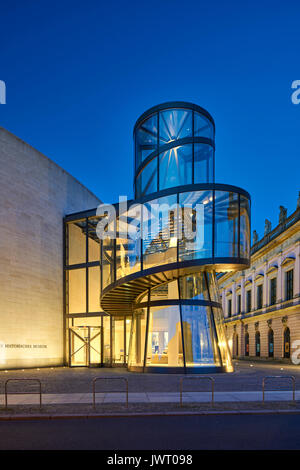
point(85, 346)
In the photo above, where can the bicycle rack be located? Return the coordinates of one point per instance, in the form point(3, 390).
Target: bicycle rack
point(278, 377)
point(23, 393)
point(109, 391)
point(198, 378)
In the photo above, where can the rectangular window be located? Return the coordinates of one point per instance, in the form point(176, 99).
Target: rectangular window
point(289, 280)
point(229, 307)
point(273, 290)
point(239, 309)
point(248, 300)
point(259, 298)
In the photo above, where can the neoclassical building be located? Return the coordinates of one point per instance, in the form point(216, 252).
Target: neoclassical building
point(262, 303)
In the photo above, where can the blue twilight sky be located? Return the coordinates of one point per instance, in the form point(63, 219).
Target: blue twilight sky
point(78, 74)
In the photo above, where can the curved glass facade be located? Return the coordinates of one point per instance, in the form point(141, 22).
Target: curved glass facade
point(173, 147)
point(169, 242)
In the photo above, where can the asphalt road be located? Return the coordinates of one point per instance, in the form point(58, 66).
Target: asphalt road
point(243, 432)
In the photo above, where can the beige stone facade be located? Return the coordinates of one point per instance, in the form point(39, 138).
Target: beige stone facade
point(35, 195)
point(262, 304)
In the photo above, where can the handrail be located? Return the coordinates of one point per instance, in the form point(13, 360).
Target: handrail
point(110, 391)
point(197, 378)
point(23, 393)
point(278, 377)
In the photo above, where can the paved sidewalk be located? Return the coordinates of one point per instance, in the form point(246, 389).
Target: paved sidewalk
point(150, 397)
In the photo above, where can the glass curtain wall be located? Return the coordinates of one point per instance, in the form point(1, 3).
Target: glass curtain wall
point(187, 334)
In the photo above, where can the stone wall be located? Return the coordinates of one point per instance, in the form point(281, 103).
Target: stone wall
point(35, 194)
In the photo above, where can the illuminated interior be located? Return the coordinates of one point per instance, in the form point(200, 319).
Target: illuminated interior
point(149, 299)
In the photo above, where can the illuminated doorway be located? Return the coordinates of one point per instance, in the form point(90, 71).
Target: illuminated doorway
point(85, 346)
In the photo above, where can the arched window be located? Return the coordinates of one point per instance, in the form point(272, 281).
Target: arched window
point(286, 343)
point(247, 344)
point(257, 343)
point(271, 343)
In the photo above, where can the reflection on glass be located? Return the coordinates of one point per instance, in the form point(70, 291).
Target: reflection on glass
point(193, 287)
point(94, 242)
point(76, 242)
point(196, 228)
point(146, 139)
point(165, 291)
point(226, 224)
point(77, 290)
point(137, 342)
point(128, 329)
point(203, 163)
point(107, 262)
point(159, 232)
point(146, 182)
point(164, 346)
point(202, 126)
point(128, 244)
point(175, 167)
point(199, 338)
point(244, 227)
point(174, 124)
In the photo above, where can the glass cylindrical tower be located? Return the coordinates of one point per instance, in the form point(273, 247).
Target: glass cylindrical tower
point(161, 268)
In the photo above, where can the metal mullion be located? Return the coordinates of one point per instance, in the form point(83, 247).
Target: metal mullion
point(181, 323)
point(147, 328)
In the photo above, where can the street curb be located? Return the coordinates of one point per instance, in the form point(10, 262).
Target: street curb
point(136, 415)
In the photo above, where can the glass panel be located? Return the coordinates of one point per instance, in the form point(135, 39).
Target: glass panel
point(95, 345)
point(160, 232)
point(146, 182)
point(193, 287)
point(204, 163)
point(175, 167)
point(174, 124)
point(77, 290)
point(128, 329)
point(94, 289)
point(106, 340)
point(244, 227)
point(128, 258)
point(137, 342)
point(165, 291)
point(199, 338)
point(202, 126)
point(118, 351)
point(94, 242)
point(79, 346)
point(164, 337)
point(107, 262)
point(226, 224)
point(146, 139)
point(196, 227)
point(77, 242)
point(222, 339)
